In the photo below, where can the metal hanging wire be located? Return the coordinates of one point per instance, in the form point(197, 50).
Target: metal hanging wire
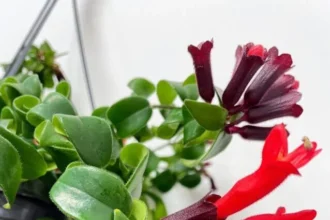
point(82, 53)
point(29, 39)
point(33, 33)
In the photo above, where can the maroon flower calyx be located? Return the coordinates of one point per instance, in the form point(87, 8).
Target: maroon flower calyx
point(201, 210)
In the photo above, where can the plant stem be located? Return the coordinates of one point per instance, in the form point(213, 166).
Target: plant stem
point(162, 146)
point(165, 107)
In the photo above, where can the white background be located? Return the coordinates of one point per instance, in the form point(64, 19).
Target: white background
point(147, 38)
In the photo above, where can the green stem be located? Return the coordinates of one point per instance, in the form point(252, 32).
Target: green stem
point(165, 107)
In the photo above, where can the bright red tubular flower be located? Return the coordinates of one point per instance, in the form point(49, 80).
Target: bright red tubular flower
point(277, 164)
point(202, 63)
point(281, 215)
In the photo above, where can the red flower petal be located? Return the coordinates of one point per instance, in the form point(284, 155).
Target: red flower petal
point(275, 145)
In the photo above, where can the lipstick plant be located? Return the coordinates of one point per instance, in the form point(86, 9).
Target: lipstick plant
point(103, 165)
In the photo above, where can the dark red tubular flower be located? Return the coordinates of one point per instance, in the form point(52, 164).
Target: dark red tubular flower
point(281, 215)
point(271, 94)
point(249, 131)
point(201, 56)
point(249, 59)
point(277, 164)
point(272, 70)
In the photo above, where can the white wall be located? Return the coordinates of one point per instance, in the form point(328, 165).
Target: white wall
point(125, 39)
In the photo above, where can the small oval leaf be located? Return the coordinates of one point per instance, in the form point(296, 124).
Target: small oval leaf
point(130, 115)
point(86, 192)
point(211, 117)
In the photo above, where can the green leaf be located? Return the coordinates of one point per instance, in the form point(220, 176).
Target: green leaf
point(194, 152)
point(90, 135)
point(211, 117)
point(10, 170)
point(142, 87)
point(30, 86)
point(191, 129)
point(170, 126)
point(135, 158)
point(118, 215)
point(165, 181)
point(139, 210)
point(144, 134)
point(86, 192)
point(101, 112)
point(160, 208)
point(189, 91)
point(10, 120)
point(191, 179)
point(33, 163)
point(190, 80)
point(54, 103)
point(64, 88)
point(222, 141)
point(62, 156)
point(130, 115)
point(152, 164)
point(165, 92)
point(24, 103)
point(58, 146)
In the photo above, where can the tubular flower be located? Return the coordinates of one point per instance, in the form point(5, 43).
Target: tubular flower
point(269, 92)
point(277, 164)
point(201, 56)
point(281, 215)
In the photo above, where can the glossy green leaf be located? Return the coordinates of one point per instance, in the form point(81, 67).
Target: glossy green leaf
point(159, 211)
point(46, 136)
point(144, 134)
point(30, 86)
point(10, 120)
point(211, 117)
point(33, 163)
point(191, 129)
point(152, 164)
point(58, 146)
point(101, 112)
point(64, 88)
point(165, 92)
point(91, 136)
point(191, 179)
point(170, 126)
point(190, 80)
point(24, 103)
point(142, 87)
point(194, 152)
point(63, 156)
point(75, 164)
point(165, 181)
point(118, 215)
point(86, 192)
point(10, 170)
point(189, 91)
point(139, 210)
point(221, 142)
point(54, 103)
point(130, 115)
point(135, 158)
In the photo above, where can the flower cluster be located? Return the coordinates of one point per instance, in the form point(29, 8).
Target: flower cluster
point(276, 165)
point(259, 89)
